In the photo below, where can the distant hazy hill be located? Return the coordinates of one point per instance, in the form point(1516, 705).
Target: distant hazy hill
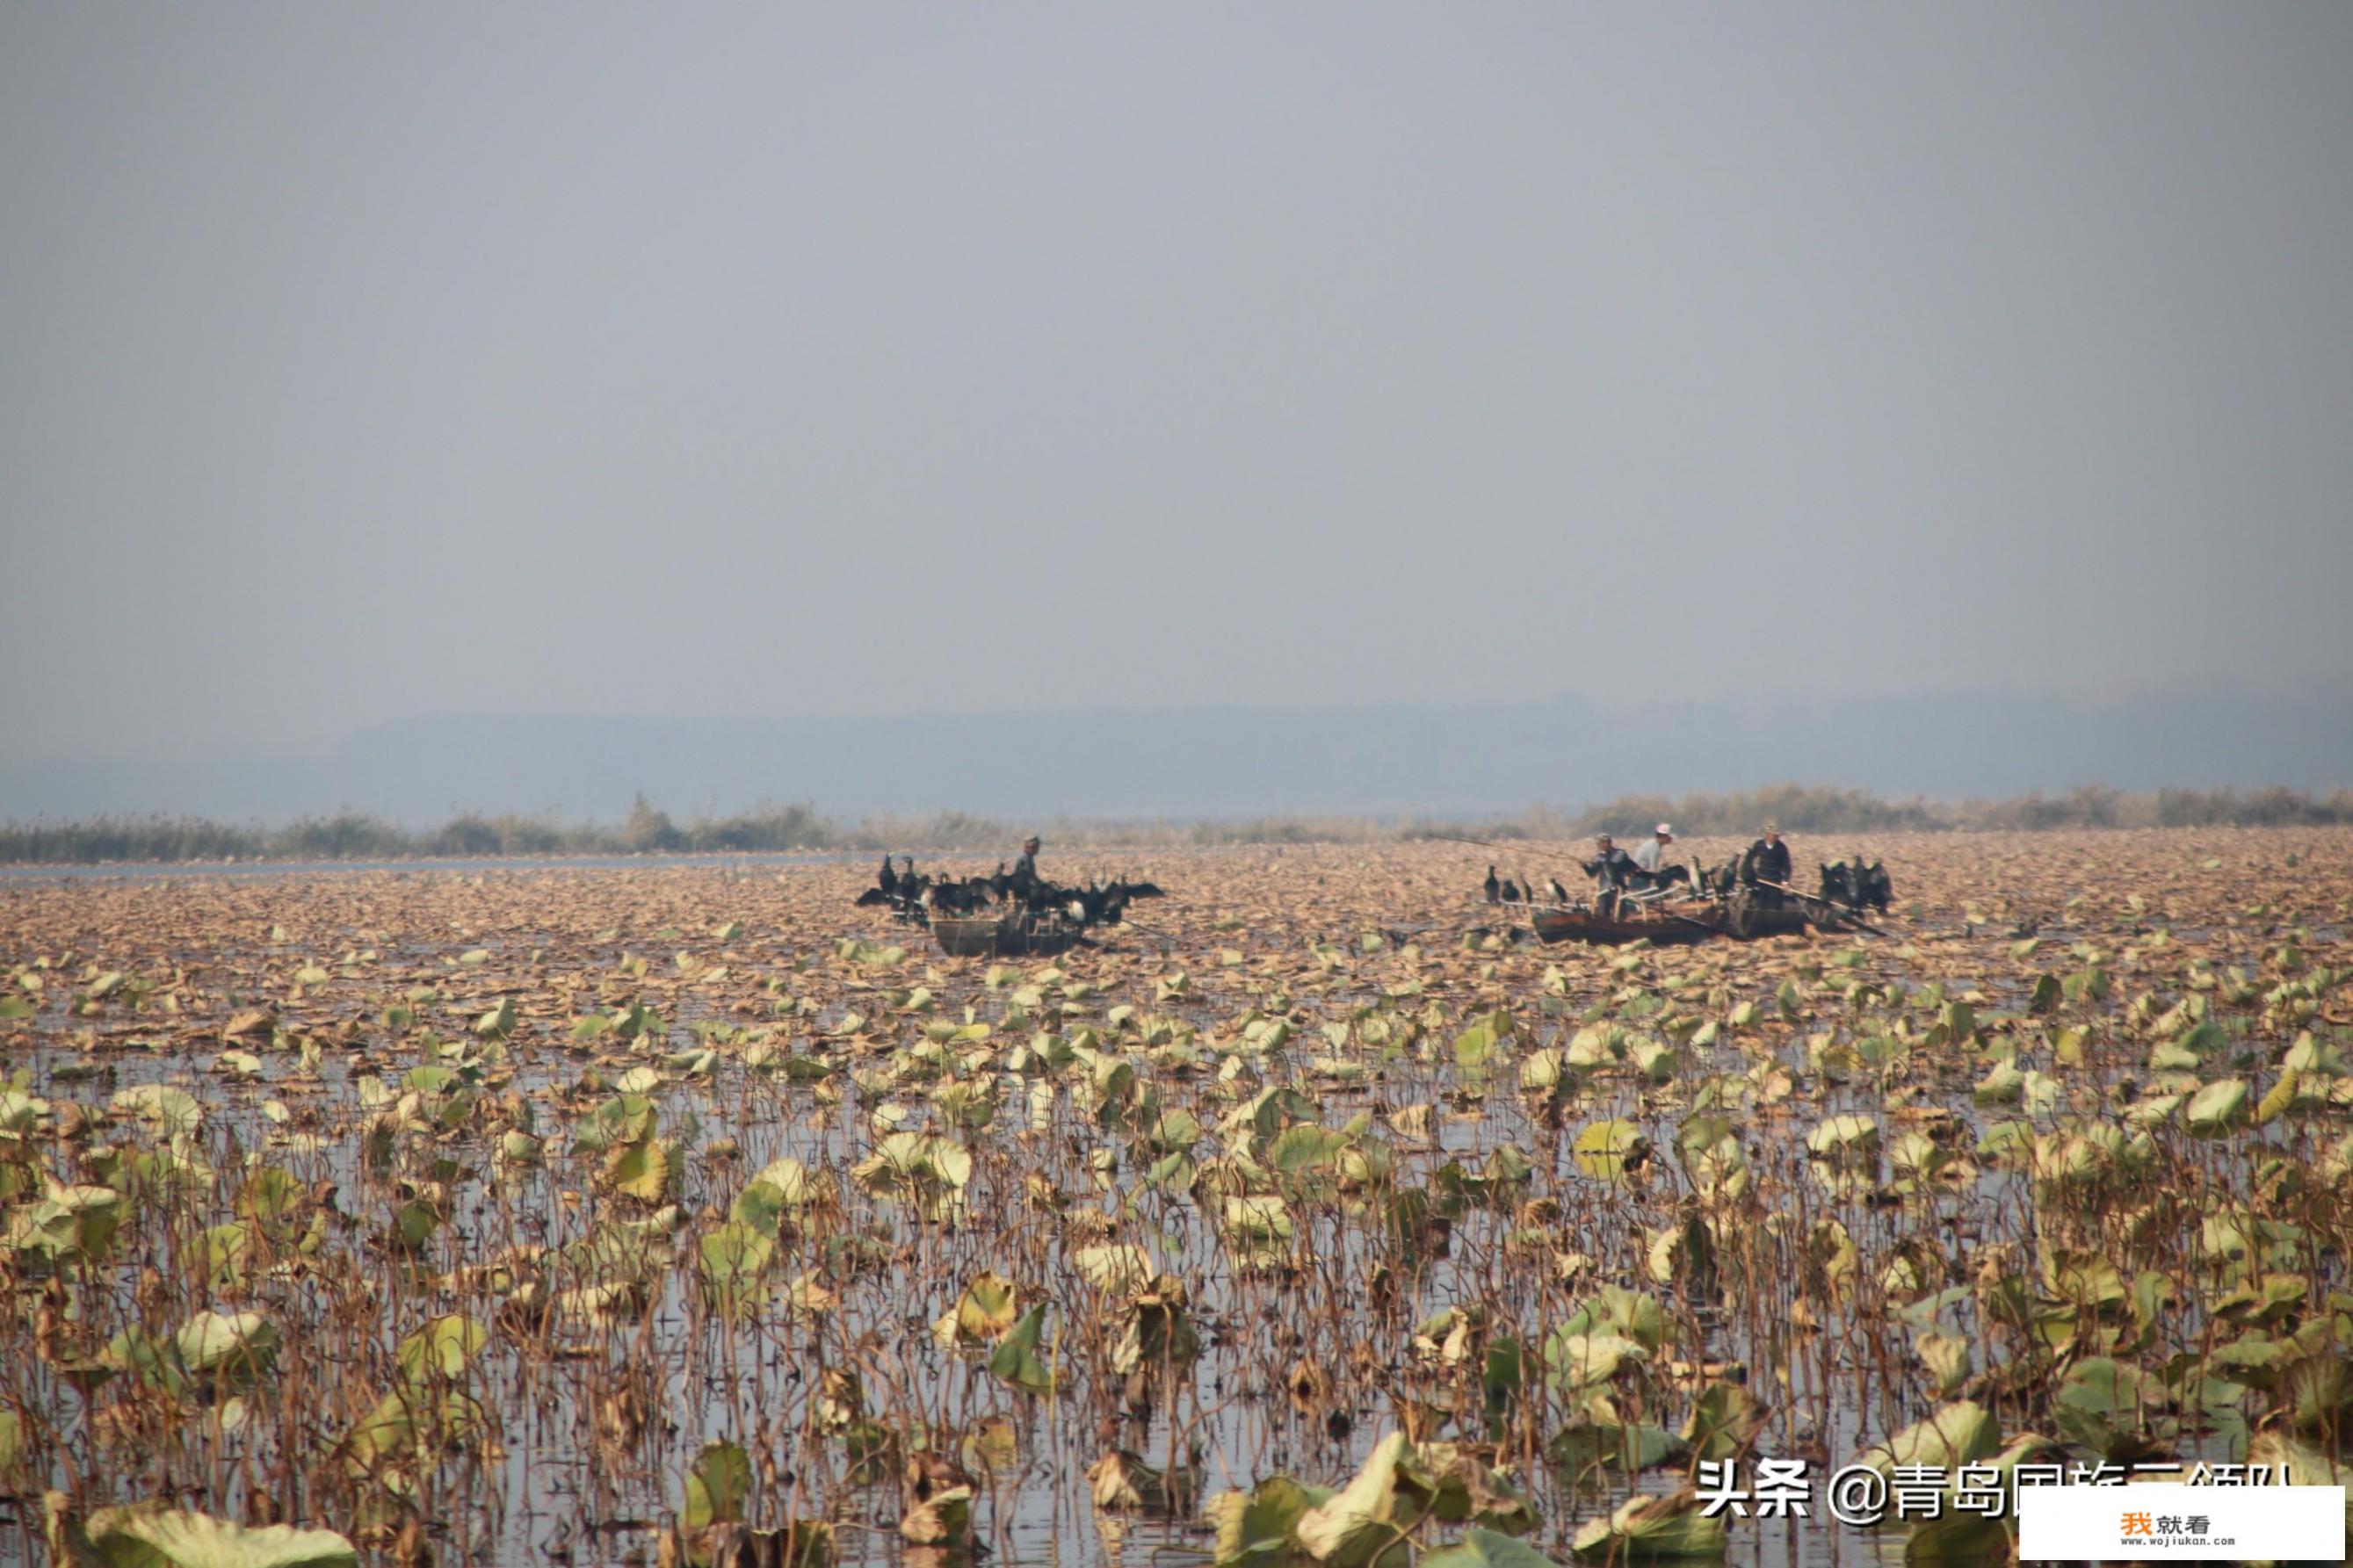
point(1231, 761)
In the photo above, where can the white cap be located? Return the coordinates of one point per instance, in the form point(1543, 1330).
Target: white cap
point(1665, 829)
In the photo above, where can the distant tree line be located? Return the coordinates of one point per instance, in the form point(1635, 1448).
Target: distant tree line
point(649, 831)
point(360, 836)
point(1819, 809)
point(1803, 809)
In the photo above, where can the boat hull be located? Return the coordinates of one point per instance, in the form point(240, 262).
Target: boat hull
point(1676, 925)
point(987, 936)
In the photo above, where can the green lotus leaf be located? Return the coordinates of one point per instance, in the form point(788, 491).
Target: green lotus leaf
point(717, 1484)
point(127, 1537)
point(1606, 1151)
point(1259, 1528)
point(1486, 1549)
point(1650, 1527)
point(1014, 1361)
point(1367, 1522)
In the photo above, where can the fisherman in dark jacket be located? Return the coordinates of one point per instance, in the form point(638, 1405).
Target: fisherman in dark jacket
point(1767, 860)
point(1610, 866)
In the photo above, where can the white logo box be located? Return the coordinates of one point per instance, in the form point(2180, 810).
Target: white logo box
point(2152, 1522)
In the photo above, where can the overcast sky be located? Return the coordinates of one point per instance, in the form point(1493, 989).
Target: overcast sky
point(358, 361)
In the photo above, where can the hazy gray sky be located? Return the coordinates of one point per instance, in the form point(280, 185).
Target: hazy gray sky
point(363, 360)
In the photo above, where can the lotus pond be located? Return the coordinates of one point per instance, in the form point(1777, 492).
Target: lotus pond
point(685, 1214)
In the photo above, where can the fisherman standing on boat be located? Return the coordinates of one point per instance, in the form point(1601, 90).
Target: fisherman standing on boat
point(1767, 860)
point(1025, 870)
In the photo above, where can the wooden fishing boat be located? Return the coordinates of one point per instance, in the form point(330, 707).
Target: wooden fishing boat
point(1007, 936)
point(1683, 920)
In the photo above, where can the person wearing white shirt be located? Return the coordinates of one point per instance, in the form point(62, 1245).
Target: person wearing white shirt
point(1650, 854)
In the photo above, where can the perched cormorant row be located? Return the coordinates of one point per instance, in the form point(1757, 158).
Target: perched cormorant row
point(916, 898)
